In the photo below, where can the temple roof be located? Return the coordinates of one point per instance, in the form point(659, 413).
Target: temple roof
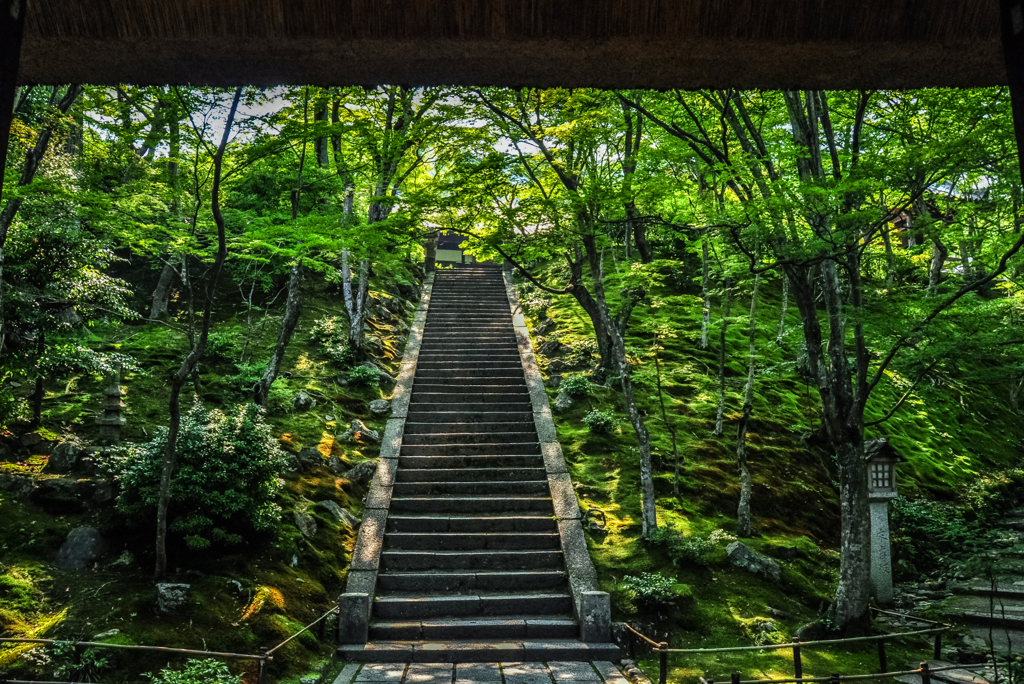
point(602, 43)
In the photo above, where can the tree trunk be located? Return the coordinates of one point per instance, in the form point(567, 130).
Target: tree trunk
point(162, 292)
point(782, 314)
point(191, 359)
point(890, 258)
point(664, 418)
point(743, 527)
point(705, 321)
point(1015, 395)
point(648, 509)
point(854, 589)
point(939, 255)
point(292, 309)
point(720, 419)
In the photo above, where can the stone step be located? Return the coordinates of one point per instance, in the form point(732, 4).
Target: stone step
point(472, 541)
point(471, 504)
point(402, 560)
point(424, 428)
point(455, 380)
point(432, 387)
point(470, 449)
point(466, 524)
point(471, 437)
point(470, 581)
point(468, 359)
point(470, 474)
point(463, 405)
point(508, 627)
point(427, 416)
point(478, 461)
point(411, 608)
point(458, 345)
point(478, 651)
point(461, 489)
point(492, 370)
point(1000, 619)
point(1000, 591)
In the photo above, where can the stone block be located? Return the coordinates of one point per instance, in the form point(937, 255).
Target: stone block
point(392, 440)
point(564, 497)
point(595, 617)
point(546, 431)
point(170, 597)
point(348, 673)
point(385, 473)
point(379, 496)
point(366, 555)
point(573, 671)
point(361, 582)
point(353, 618)
point(554, 461)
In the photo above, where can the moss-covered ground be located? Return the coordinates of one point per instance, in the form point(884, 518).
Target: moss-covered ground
point(953, 434)
point(252, 595)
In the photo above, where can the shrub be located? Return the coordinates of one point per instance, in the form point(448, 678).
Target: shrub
point(690, 549)
point(599, 422)
point(247, 376)
point(331, 333)
point(575, 385)
point(580, 352)
point(205, 671)
point(651, 591)
point(225, 482)
point(364, 376)
point(86, 666)
point(219, 346)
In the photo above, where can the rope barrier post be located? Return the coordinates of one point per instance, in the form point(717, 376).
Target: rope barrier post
point(261, 673)
point(798, 665)
point(735, 678)
point(834, 679)
point(663, 647)
point(938, 646)
point(883, 666)
point(925, 676)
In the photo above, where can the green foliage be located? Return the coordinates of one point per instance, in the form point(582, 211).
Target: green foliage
point(651, 591)
point(691, 549)
point(599, 421)
point(575, 385)
point(581, 352)
point(225, 481)
point(220, 345)
point(364, 376)
point(206, 671)
point(12, 409)
point(534, 302)
point(87, 666)
point(925, 529)
point(331, 333)
point(247, 376)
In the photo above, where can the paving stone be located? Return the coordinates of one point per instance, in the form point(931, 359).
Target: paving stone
point(575, 671)
point(477, 673)
point(381, 672)
point(347, 674)
point(524, 668)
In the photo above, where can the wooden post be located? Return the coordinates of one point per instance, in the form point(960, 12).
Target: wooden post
point(834, 679)
point(1011, 17)
point(12, 28)
point(926, 678)
point(261, 672)
point(632, 644)
point(798, 665)
point(883, 666)
point(938, 646)
point(735, 678)
point(663, 648)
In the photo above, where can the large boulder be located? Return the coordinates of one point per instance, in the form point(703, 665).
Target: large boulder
point(310, 457)
point(363, 472)
point(81, 549)
point(340, 513)
point(743, 557)
point(303, 402)
point(307, 526)
point(171, 596)
point(381, 373)
point(64, 458)
point(359, 432)
point(563, 402)
point(379, 407)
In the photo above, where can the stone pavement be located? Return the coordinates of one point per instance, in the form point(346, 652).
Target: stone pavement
point(555, 672)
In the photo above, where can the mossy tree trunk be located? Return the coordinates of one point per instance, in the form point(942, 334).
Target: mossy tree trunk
point(191, 360)
point(743, 523)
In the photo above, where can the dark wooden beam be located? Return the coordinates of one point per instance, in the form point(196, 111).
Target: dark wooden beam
point(1012, 19)
point(12, 27)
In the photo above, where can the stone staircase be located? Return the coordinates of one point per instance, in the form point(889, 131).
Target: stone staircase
point(471, 565)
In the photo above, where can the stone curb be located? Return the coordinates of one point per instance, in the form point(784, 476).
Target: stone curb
point(362, 578)
point(589, 608)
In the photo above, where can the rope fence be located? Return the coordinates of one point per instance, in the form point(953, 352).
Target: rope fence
point(264, 656)
point(796, 645)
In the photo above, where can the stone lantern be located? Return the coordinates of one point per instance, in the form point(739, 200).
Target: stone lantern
point(881, 459)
